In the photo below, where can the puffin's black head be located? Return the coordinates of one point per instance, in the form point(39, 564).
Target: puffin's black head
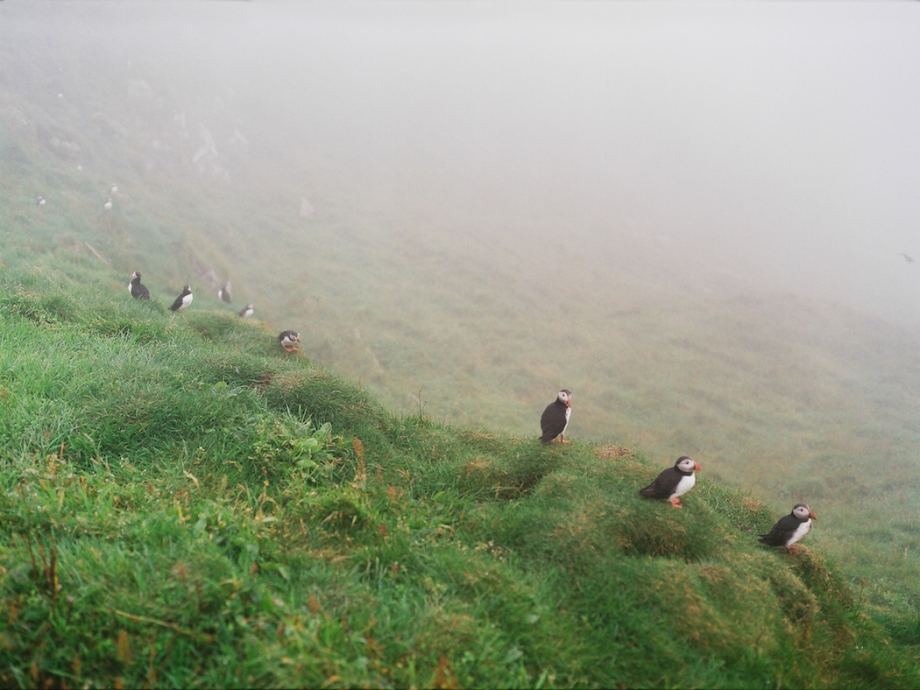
point(187, 290)
point(565, 397)
point(136, 276)
point(803, 512)
point(687, 465)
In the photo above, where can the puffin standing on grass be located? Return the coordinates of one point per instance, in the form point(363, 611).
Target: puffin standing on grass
point(790, 528)
point(224, 293)
point(287, 340)
point(674, 482)
point(183, 300)
point(246, 312)
point(555, 419)
point(137, 290)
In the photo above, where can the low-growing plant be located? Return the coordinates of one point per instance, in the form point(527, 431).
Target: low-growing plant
point(284, 445)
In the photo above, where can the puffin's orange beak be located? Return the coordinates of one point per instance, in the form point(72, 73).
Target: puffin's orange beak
point(696, 465)
point(568, 403)
point(812, 515)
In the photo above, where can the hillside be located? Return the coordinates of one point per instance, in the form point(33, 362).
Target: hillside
point(440, 288)
point(451, 301)
point(185, 504)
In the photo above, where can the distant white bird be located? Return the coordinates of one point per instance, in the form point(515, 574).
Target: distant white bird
point(114, 189)
point(39, 200)
point(107, 205)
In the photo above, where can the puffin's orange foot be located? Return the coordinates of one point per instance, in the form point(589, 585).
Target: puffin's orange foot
point(793, 549)
point(676, 503)
point(564, 440)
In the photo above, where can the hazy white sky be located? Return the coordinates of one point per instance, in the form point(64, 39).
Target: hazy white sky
point(774, 142)
point(777, 141)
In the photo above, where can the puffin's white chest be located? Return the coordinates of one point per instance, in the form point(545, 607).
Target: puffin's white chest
point(800, 532)
point(683, 486)
point(568, 413)
point(187, 300)
point(131, 289)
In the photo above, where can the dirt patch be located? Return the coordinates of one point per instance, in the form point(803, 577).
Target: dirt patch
point(263, 381)
point(613, 452)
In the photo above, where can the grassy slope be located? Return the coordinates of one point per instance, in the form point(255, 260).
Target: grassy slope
point(167, 520)
point(792, 401)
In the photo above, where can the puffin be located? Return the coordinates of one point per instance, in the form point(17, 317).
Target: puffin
point(790, 528)
point(246, 312)
point(107, 205)
point(555, 419)
point(287, 340)
point(40, 200)
point(137, 290)
point(224, 293)
point(673, 482)
point(183, 300)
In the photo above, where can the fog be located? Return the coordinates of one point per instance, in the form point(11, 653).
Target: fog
point(768, 146)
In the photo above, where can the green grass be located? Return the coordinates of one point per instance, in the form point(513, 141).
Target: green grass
point(184, 504)
point(136, 444)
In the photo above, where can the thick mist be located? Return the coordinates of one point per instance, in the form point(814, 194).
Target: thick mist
point(706, 146)
point(769, 145)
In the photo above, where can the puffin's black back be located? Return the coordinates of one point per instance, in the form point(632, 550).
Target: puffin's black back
point(664, 484)
point(782, 530)
point(175, 306)
point(139, 291)
point(553, 420)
